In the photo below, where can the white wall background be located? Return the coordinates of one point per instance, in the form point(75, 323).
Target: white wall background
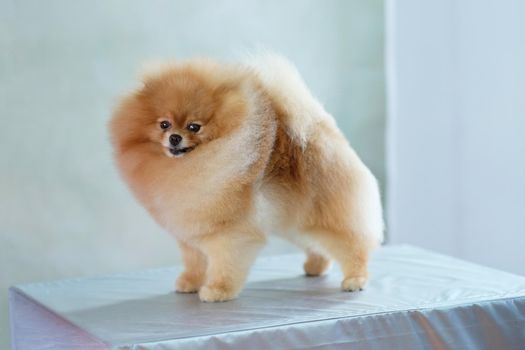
point(63, 209)
point(456, 128)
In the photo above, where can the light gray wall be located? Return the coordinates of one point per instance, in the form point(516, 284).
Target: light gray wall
point(456, 126)
point(63, 209)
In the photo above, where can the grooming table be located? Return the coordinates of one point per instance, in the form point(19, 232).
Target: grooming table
point(416, 299)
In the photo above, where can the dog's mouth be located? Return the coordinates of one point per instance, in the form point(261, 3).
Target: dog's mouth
point(181, 151)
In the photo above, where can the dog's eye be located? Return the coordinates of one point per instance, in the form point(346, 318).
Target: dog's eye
point(165, 125)
point(193, 127)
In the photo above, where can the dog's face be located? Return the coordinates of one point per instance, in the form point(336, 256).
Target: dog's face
point(184, 111)
point(179, 111)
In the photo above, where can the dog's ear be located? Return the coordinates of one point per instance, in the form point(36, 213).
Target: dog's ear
point(152, 69)
point(222, 90)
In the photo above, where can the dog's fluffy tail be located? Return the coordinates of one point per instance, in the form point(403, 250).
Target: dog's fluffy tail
point(282, 81)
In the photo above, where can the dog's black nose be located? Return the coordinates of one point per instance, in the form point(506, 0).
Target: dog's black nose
point(175, 139)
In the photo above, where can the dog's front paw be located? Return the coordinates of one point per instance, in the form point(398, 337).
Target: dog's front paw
point(188, 283)
point(352, 284)
point(215, 292)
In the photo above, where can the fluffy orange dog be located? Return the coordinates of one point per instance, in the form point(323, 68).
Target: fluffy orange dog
point(222, 154)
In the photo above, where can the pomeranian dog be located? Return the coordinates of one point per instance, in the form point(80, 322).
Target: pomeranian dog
point(222, 154)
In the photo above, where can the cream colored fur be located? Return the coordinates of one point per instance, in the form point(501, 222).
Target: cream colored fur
point(269, 159)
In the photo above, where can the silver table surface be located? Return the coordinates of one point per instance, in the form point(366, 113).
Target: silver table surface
point(415, 299)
